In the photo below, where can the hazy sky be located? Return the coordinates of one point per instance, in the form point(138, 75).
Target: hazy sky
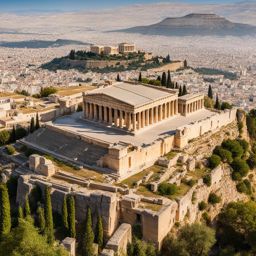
point(66, 5)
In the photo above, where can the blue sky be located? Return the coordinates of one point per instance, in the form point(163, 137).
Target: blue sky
point(66, 5)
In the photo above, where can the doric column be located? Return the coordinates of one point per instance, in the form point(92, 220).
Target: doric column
point(134, 122)
point(160, 113)
point(147, 117)
point(90, 110)
point(128, 121)
point(110, 117)
point(156, 114)
point(95, 116)
point(105, 114)
point(116, 117)
point(139, 120)
point(151, 116)
point(100, 114)
point(143, 119)
point(121, 119)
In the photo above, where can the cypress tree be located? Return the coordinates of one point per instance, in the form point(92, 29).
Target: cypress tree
point(184, 91)
point(140, 77)
point(118, 79)
point(176, 86)
point(13, 135)
point(32, 125)
point(163, 80)
point(27, 207)
point(87, 247)
point(217, 103)
point(48, 217)
point(139, 248)
point(37, 122)
point(65, 214)
point(210, 93)
point(185, 64)
point(71, 217)
point(99, 233)
point(180, 91)
point(169, 81)
point(20, 213)
point(40, 218)
point(5, 212)
point(159, 78)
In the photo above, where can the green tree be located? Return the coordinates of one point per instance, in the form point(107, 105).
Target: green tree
point(48, 216)
point(5, 212)
point(213, 199)
point(13, 135)
point(71, 216)
point(65, 214)
point(4, 137)
point(180, 92)
point(202, 205)
point(20, 133)
point(99, 233)
point(24, 240)
point(140, 77)
point(139, 249)
point(45, 92)
point(163, 80)
point(20, 213)
point(240, 166)
point(224, 154)
point(169, 80)
point(32, 125)
point(234, 147)
point(87, 246)
point(118, 78)
point(27, 207)
point(37, 122)
point(184, 90)
point(214, 161)
point(41, 219)
point(252, 161)
point(151, 250)
point(236, 225)
point(225, 105)
point(208, 102)
point(185, 63)
point(210, 93)
point(217, 104)
point(192, 240)
point(72, 54)
point(167, 189)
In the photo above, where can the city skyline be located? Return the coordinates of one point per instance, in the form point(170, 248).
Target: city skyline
point(65, 5)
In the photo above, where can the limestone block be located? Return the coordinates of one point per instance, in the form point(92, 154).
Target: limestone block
point(154, 186)
point(191, 164)
point(70, 245)
point(183, 159)
point(107, 252)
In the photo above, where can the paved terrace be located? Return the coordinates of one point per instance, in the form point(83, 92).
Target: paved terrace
point(76, 124)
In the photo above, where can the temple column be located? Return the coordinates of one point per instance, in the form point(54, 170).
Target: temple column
point(121, 119)
point(105, 114)
point(151, 116)
point(128, 120)
point(168, 109)
point(147, 117)
point(156, 114)
point(160, 113)
point(138, 116)
point(116, 117)
point(142, 119)
point(90, 110)
point(110, 117)
point(100, 114)
point(134, 122)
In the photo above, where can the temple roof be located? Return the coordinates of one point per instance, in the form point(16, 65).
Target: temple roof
point(132, 94)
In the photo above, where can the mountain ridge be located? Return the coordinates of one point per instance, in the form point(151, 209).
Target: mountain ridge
point(194, 24)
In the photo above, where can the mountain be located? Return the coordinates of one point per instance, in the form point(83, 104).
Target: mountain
point(35, 44)
point(195, 24)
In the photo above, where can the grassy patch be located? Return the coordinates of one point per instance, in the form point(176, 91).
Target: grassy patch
point(171, 155)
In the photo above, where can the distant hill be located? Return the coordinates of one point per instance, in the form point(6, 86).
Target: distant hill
point(34, 44)
point(195, 24)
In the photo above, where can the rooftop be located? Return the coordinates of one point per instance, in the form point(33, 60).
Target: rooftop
point(133, 94)
point(191, 96)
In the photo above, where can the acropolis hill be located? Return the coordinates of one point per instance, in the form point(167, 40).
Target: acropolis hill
point(116, 154)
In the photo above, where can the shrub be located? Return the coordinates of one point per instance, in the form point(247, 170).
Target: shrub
point(213, 198)
point(4, 137)
point(202, 205)
point(45, 92)
point(225, 105)
point(225, 155)
point(234, 147)
point(244, 187)
point(191, 182)
point(244, 144)
point(167, 189)
point(10, 149)
point(236, 176)
point(240, 166)
point(207, 180)
point(252, 161)
point(214, 161)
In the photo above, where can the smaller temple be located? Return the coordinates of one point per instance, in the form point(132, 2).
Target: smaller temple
point(190, 103)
